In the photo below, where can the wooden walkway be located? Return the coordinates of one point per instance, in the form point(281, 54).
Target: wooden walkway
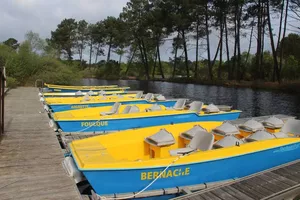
point(282, 182)
point(30, 155)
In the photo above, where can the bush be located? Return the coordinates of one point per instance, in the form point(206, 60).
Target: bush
point(11, 82)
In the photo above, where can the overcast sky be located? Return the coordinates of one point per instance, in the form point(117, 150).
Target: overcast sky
point(41, 16)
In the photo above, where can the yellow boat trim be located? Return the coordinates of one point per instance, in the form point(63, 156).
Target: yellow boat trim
point(72, 94)
point(127, 151)
point(94, 113)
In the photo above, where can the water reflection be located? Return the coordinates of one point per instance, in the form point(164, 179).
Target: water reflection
point(251, 102)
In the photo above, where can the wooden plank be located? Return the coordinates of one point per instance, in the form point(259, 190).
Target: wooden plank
point(236, 193)
point(223, 194)
point(247, 190)
point(210, 196)
point(282, 179)
point(272, 184)
point(30, 155)
point(287, 174)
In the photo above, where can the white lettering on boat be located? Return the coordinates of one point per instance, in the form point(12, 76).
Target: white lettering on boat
point(287, 148)
point(90, 124)
point(81, 106)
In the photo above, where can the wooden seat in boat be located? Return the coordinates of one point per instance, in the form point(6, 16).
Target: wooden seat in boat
point(189, 134)
point(161, 138)
point(179, 105)
point(139, 95)
point(149, 97)
point(226, 129)
point(196, 106)
point(252, 126)
point(211, 108)
point(273, 123)
point(260, 135)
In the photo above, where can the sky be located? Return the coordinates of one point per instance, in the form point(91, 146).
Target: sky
point(42, 16)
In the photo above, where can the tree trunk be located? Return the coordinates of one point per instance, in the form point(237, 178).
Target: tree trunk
point(258, 52)
point(216, 55)
point(159, 61)
point(130, 61)
point(250, 44)
point(175, 57)
point(227, 49)
point(232, 74)
point(197, 49)
point(109, 49)
point(282, 41)
point(153, 71)
point(146, 59)
point(221, 48)
point(210, 74)
point(185, 55)
point(91, 51)
point(97, 52)
point(272, 41)
point(279, 37)
point(262, 73)
point(239, 10)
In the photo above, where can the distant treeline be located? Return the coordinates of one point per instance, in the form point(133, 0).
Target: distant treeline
point(145, 25)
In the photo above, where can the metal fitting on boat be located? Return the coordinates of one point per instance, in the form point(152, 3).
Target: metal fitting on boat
point(52, 124)
point(40, 94)
point(46, 108)
point(72, 170)
point(42, 99)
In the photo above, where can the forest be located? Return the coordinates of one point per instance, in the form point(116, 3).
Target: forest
point(130, 45)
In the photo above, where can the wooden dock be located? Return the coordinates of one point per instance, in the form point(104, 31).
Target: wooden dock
point(30, 155)
point(281, 182)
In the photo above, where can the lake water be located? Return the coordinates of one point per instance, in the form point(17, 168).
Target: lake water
point(252, 102)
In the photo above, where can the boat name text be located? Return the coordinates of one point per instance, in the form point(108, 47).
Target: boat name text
point(167, 174)
point(78, 107)
point(90, 124)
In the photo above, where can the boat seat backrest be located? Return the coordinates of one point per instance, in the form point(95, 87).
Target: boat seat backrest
point(90, 92)
point(139, 95)
point(252, 126)
point(226, 129)
point(126, 109)
point(259, 135)
point(202, 140)
point(78, 93)
point(189, 134)
point(273, 122)
point(149, 97)
point(160, 98)
point(86, 97)
point(154, 107)
point(134, 109)
point(179, 105)
point(291, 126)
point(228, 141)
point(224, 108)
point(161, 138)
point(115, 108)
point(211, 108)
point(281, 135)
point(196, 106)
point(101, 93)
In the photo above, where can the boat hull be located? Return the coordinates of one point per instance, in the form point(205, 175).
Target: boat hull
point(141, 122)
point(83, 90)
point(106, 182)
point(59, 108)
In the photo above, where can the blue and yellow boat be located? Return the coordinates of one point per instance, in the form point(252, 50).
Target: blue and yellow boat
point(79, 86)
point(65, 104)
point(175, 156)
point(75, 89)
point(79, 93)
point(121, 117)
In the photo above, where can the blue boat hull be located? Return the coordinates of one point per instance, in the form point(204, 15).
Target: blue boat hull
point(60, 108)
point(131, 123)
point(134, 180)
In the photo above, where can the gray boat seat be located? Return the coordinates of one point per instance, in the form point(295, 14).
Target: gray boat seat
point(252, 126)
point(120, 96)
point(189, 134)
point(126, 109)
point(102, 93)
point(211, 108)
point(196, 106)
point(160, 98)
point(90, 92)
point(148, 97)
point(134, 109)
point(202, 140)
point(179, 105)
point(114, 109)
point(224, 108)
point(228, 141)
point(154, 107)
point(161, 138)
point(281, 135)
point(139, 95)
point(259, 135)
point(86, 97)
point(226, 129)
point(291, 126)
point(78, 93)
point(273, 122)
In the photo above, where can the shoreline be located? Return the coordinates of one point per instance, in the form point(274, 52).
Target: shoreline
point(288, 86)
